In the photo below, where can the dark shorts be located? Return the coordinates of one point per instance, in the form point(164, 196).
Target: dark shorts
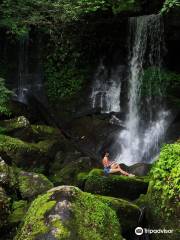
point(107, 170)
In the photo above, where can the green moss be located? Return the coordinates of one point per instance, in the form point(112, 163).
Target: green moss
point(28, 155)
point(81, 179)
point(7, 175)
point(164, 190)
point(127, 212)
point(4, 207)
point(68, 173)
point(13, 144)
point(115, 185)
point(72, 214)
point(15, 123)
point(32, 184)
point(96, 217)
point(18, 211)
point(35, 218)
point(44, 131)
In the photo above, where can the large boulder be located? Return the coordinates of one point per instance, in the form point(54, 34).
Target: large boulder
point(28, 155)
point(115, 185)
point(140, 169)
point(68, 213)
point(32, 184)
point(127, 212)
point(67, 166)
point(17, 127)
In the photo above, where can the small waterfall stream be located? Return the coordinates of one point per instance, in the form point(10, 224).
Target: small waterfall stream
point(29, 71)
point(146, 116)
point(106, 89)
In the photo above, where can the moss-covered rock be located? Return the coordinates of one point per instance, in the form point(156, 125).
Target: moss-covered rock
point(42, 132)
point(127, 212)
point(164, 191)
point(7, 175)
point(32, 184)
point(17, 127)
point(115, 186)
point(66, 213)
point(28, 155)
point(68, 172)
point(18, 211)
point(4, 207)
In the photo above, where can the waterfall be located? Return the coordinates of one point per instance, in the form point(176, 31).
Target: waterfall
point(147, 117)
point(23, 69)
point(29, 70)
point(106, 89)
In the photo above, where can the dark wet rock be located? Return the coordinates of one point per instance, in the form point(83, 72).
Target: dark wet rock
point(4, 207)
point(67, 213)
point(140, 169)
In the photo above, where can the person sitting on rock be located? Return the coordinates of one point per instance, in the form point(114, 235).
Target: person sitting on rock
point(113, 167)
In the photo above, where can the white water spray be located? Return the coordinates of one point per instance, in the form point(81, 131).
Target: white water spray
point(147, 118)
point(106, 89)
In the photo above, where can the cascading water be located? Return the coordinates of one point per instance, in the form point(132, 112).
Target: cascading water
point(147, 117)
point(23, 69)
point(29, 80)
point(106, 89)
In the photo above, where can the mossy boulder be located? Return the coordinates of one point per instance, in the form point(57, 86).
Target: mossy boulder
point(32, 184)
point(7, 175)
point(67, 173)
point(67, 213)
point(127, 212)
point(27, 155)
point(164, 191)
point(17, 127)
point(4, 207)
point(115, 186)
point(18, 211)
point(21, 128)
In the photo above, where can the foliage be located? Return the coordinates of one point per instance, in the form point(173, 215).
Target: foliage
point(63, 83)
point(128, 5)
point(169, 4)
point(4, 98)
point(19, 16)
point(165, 183)
point(159, 81)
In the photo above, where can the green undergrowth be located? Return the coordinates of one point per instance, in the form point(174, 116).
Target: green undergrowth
point(164, 189)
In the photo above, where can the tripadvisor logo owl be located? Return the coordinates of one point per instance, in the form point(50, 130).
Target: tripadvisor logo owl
point(139, 231)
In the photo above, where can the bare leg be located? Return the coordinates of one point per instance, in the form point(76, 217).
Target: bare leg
point(115, 170)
